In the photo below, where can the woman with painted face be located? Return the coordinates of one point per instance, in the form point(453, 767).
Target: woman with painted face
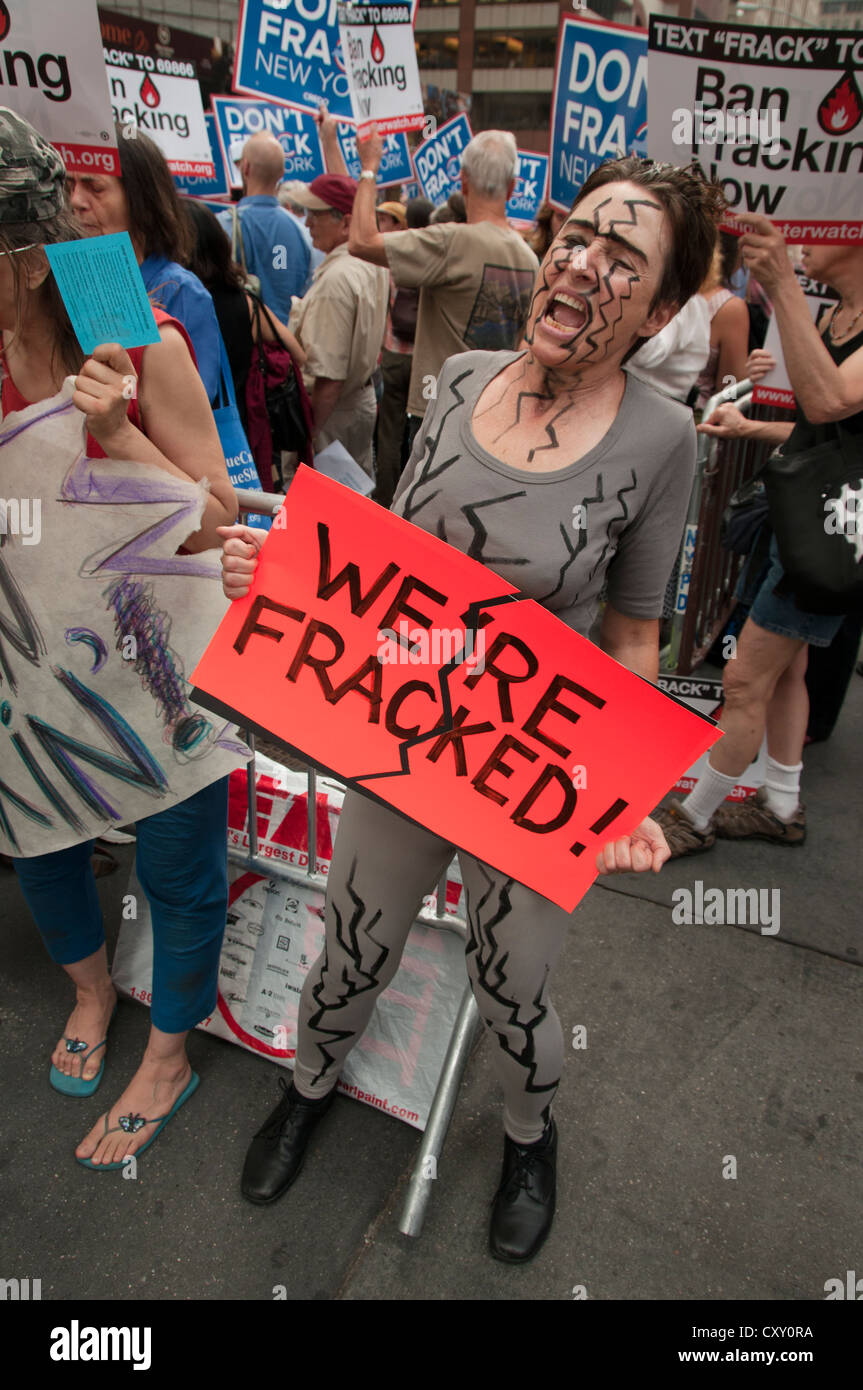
point(514, 446)
point(165, 425)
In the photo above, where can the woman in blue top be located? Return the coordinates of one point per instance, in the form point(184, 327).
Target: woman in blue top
point(144, 202)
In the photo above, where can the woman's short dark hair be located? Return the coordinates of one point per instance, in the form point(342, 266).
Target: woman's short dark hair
point(210, 256)
point(156, 218)
point(694, 208)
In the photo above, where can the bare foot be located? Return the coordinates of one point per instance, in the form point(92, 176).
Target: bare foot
point(88, 1024)
point(153, 1090)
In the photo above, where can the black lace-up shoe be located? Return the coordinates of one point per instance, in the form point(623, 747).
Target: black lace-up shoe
point(524, 1205)
point(277, 1151)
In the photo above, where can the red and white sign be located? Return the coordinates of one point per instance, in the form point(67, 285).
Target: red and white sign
point(379, 54)
point(424, 679)
point(52, 74)
point(166, 107)
point(773, 115)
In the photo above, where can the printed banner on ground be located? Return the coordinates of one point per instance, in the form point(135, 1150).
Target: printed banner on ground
point(239, 117)
point(775, 387)
point(531, 176)
point(773, 116)
point(437, 161)
point(599, 108)
point(377, 42)
point(275, 933)
point(53, 74)
point(396, 164)
point(407, 668)
point(292, 53)
point(205, 187)
point(166, 106)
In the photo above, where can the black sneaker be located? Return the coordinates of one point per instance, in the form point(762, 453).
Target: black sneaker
point(524, 1205)
point(277, 1151)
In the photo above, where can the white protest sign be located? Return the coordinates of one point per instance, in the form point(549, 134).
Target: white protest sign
point(52, 74)
point(165, 106)
point(775, 387)
point(773, 116)
point(377, 42)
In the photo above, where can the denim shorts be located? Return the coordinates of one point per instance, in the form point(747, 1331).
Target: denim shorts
point(779, 614)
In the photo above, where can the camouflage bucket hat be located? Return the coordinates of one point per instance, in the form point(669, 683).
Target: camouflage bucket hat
point(32, 176)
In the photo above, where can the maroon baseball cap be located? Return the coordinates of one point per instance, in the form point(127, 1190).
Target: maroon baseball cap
point(334, 191)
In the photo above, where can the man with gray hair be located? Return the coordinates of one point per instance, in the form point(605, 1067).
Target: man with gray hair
point(475, 278)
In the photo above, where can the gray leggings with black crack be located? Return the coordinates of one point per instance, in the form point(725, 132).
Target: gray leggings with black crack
point(383, 865)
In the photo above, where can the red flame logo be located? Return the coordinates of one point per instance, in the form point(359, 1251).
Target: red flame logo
point(5, 21)
point(377, 45)
point(842, 107)
point(149, 92)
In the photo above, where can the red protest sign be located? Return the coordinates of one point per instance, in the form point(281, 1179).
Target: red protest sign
point(421, 677)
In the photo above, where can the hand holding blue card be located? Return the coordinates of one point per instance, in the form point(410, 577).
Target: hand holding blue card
point(102, 289)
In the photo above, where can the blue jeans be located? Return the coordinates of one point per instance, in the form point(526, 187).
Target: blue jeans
point(183, 869)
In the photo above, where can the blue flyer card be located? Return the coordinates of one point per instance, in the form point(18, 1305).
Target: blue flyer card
point(102, 289)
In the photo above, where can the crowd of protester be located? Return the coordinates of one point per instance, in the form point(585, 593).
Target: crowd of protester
point(380, 303)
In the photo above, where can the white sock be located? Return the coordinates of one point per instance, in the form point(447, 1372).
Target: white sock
point(782, 788)
point(707, 796)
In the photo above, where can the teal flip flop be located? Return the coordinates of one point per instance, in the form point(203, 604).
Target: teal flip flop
point(130, 1124)
point(76, 1085)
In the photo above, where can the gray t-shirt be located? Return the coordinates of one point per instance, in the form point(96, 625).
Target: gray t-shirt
point(616, 516)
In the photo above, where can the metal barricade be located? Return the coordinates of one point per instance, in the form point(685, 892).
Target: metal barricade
point(708, 573)
point(467, 1020)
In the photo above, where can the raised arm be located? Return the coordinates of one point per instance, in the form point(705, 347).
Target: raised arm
point(823, 390)
point(364, 239)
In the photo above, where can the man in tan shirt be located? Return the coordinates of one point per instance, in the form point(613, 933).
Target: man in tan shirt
point(340, 323)
point(475, 278)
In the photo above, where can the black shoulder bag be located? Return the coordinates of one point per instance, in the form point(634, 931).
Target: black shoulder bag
point(814, 497)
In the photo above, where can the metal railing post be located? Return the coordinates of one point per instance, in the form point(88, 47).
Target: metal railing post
point(434, 1136)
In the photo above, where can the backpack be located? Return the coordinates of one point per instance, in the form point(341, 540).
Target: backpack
point(278, 408)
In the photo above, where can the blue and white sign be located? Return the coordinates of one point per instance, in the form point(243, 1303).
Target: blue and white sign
point(290, 50)
point(599, 111)
point(396, 164)
point(216, 187)
point(238, 117)
point(410, 190)
point(437, 161)
point(531, 176)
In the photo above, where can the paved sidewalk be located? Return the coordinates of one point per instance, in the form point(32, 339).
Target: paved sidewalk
point(704, 1044)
